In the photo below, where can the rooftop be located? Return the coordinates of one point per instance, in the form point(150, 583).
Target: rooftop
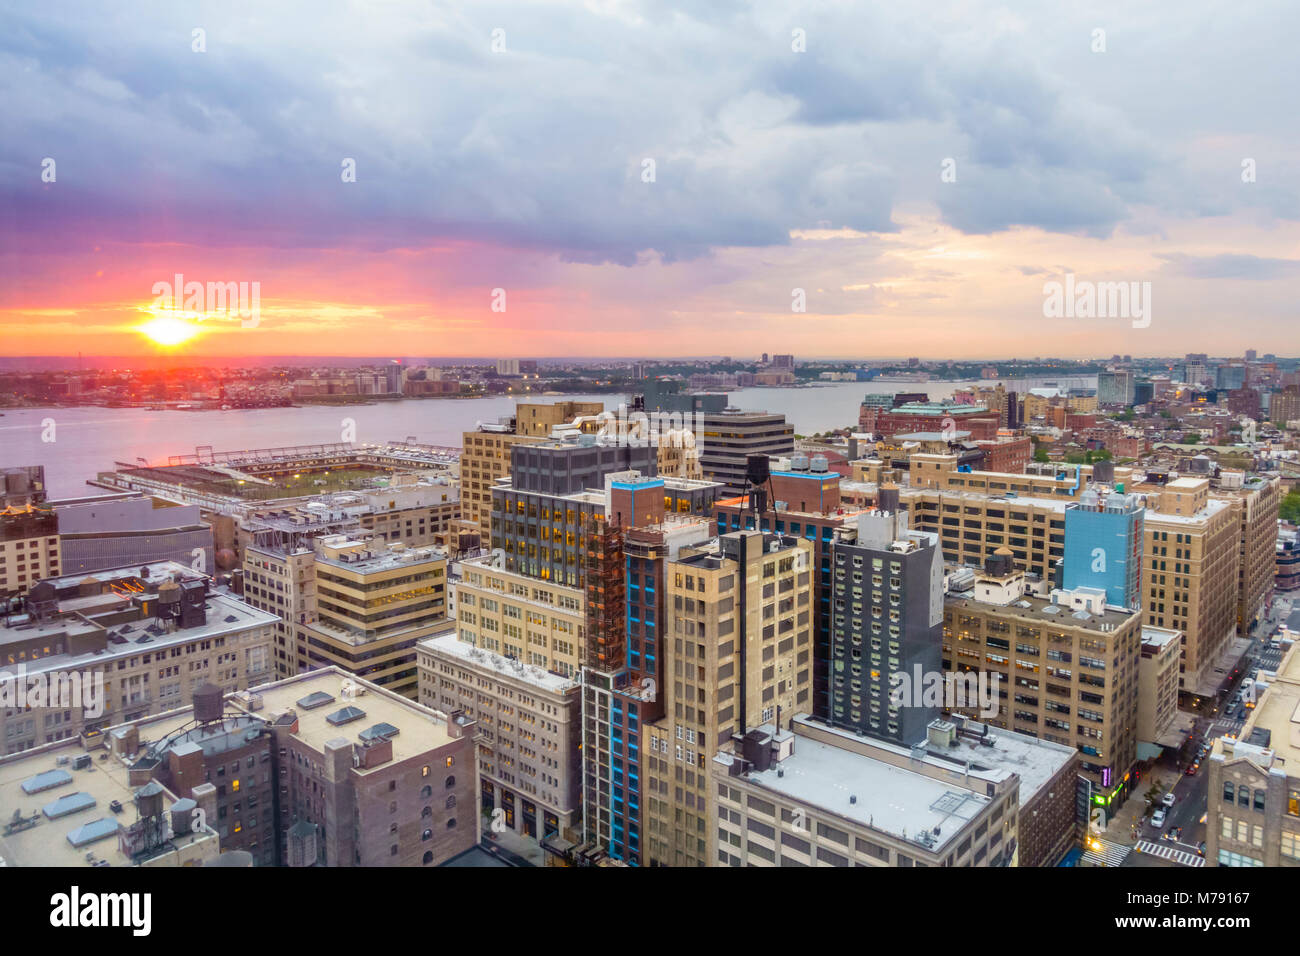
point(225, 614)
point(451, 646)
point(893, 800)
point(420, 729)
point(103, 781)
point(1278, 711)
point(1032, 607)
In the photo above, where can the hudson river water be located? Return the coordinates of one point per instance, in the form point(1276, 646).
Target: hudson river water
point(88, 440)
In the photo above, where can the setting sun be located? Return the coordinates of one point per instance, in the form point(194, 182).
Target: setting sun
point(169, 331)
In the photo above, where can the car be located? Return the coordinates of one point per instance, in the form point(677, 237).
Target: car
point(1168, 799)
point(1200, 850)
point(1191, 771)
point(1158, 819)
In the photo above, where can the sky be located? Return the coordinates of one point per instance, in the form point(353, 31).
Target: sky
point(621, 178)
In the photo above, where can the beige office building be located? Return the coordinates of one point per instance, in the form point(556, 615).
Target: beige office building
point(528, 733)
point(354, 603)
point(1254, 785)
point(537, 419)
point(120, 645)
point(1190, 574)
point(29, 546)
point(1067, 664)
point(1159, 725)
point(537, 622)
point(485, 457)
point(737, 654)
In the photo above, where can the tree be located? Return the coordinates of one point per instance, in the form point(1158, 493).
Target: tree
point(1040, 453)
point(1289, 510)
point(1191, 438)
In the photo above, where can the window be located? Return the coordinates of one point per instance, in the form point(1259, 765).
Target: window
point(450, 761)
point(1227, 791)
point(426, 835)
point(451, 802)
point(450, 782)
point(428, 857)
point(451, 823)
point(1236, 859)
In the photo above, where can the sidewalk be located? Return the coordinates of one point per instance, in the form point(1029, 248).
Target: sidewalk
point(1123, 827)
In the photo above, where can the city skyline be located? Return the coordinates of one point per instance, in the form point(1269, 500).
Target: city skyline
point(695, 192)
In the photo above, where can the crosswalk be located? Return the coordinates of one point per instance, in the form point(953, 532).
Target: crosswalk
point(1110, 854)
point(1223, 727)
point(1169, 852)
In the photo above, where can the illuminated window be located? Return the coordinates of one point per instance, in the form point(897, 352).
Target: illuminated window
point(234, 786)
point(450, 761)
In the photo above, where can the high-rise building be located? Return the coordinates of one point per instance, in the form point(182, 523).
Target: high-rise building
point(731, 436)
point(1284, 406)
point(485, 458)
point(539, 419)
point(811, 508)
point(1191, 574)
point(1195, 373)
point(1103, 546)
point(1256, 500)
point(528, 721)
point(541, 513)
point(1230, 377)
point(616, 756)
point(532, 620)
point(1158, 727)
point(738, 643)
point(887, 607)
point(1067, 665)
point(29, 531)
point(1115, 388)
point(347, 601)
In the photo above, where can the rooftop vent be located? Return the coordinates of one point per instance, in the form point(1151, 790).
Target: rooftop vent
point(317, 699)
point(379, 732)
point(345, 715)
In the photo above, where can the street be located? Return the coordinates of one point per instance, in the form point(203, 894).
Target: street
point(1177, 843)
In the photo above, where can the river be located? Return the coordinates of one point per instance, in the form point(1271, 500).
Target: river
point(77, 442)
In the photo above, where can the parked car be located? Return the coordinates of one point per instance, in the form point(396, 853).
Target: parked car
point(1201, 849)
point(1191, 771)
point(1158, 819)
point(1168, 799)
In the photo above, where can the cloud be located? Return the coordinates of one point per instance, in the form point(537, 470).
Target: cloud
point(1229, 266)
